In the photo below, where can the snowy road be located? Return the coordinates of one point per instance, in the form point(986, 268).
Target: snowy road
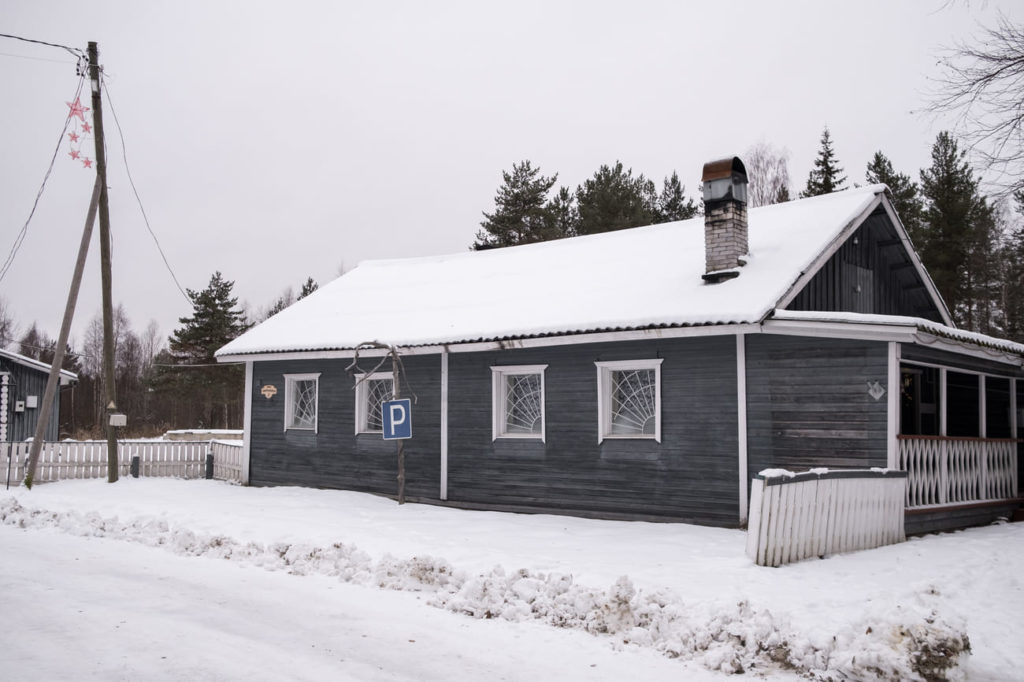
point(213, 581)
point(93, 608)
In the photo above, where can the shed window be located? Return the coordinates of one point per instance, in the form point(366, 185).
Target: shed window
point(517, 401)
point(629, 399)
point(300, 401)
point(371, 391)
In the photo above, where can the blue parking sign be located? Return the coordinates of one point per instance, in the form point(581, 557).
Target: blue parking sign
point(396, 416)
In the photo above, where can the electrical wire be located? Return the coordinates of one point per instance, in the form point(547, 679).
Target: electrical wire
point(73, 50)
point(35, 59)
point(24, 228)
point(124, 156)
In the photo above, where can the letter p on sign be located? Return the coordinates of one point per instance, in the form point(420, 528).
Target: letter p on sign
point(396, 417)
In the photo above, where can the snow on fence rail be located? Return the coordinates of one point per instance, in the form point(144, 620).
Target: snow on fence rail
point(88, 459)
point(820, 512)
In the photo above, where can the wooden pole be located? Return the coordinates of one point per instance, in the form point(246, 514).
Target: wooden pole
point(108, 306)
point(62, 340)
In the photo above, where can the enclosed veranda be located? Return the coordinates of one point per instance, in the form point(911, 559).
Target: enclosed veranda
point(960, 443)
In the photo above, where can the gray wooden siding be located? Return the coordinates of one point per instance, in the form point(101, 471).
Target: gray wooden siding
point(692, 474)
point(24, 382)
point(870, 273)
point(808, 403)
point(334, 456)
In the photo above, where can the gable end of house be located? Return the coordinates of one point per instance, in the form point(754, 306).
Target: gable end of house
point(873, 270)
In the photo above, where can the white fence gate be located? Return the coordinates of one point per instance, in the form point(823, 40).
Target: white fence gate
point(816, 513)
point(88, 459)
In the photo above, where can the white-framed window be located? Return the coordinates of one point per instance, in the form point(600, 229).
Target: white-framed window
point(300, 401)
point(517, 401)
point(371, 391)
point(629, 399)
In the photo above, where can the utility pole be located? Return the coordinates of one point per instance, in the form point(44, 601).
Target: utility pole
point(108, 306)
point(58, 352)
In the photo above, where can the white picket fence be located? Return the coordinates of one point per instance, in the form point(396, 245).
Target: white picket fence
point(814, 514)
point(947, 470)
point(88, 459)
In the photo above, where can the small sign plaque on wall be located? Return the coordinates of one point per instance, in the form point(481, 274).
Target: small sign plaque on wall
point(269, 391)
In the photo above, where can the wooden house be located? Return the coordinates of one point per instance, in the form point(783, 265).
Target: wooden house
point(22, 386)
point(647, 373)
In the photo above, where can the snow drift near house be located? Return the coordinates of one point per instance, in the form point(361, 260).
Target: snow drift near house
point(901, 612)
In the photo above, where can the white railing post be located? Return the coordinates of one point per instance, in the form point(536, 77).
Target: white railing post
point(943, 471)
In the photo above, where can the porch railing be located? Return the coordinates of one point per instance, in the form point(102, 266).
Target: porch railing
point(945, 470)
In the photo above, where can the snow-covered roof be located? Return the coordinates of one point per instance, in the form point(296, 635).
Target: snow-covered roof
point(630, 279)
point(917, 323)
point(66, 376)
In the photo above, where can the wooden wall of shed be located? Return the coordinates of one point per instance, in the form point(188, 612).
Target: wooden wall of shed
point(691, 475)
point(808, 403)
point(870, 273)
point(25, 382)
point(334, 456)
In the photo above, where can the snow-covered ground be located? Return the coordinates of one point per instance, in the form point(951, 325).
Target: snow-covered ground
point(171, 579)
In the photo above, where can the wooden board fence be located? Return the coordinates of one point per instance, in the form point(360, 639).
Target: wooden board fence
point(798, 516)
point(88, 459)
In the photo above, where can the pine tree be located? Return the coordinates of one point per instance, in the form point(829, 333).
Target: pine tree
point(562, 213)
point(309, 287)
point(613, 200)
point(215, 389)
point(956, 223)
point(903, 193)
point(827, 176)
point(673, 204)
point(521, 215)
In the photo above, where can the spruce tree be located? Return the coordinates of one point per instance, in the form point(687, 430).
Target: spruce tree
point(955, 216)
point(903, 193)
point(827, 176)
point(613, 200)
point(214, 391)
point(673, 204)
point(521, 214)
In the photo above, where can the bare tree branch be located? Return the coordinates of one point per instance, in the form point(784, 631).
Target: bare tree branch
point(983, 86)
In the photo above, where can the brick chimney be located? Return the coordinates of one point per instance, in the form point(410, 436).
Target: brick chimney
point(725, 219)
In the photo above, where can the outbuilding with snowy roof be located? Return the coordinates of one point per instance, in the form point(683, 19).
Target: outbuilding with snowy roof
point(645, 373)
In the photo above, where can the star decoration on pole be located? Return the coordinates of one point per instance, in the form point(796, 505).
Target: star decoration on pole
point(77, 109)
point(79, 133)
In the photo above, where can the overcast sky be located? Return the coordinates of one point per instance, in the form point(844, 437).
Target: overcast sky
point(278, 140)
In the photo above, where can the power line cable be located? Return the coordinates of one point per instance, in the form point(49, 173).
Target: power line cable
point(24, 228)
point(35, 59)
point(124, 156)
point(73, 50)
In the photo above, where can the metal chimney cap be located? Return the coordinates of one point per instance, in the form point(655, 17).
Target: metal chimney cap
point(723, 168)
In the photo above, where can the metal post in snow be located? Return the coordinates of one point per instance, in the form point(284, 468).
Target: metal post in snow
point(396, 393)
